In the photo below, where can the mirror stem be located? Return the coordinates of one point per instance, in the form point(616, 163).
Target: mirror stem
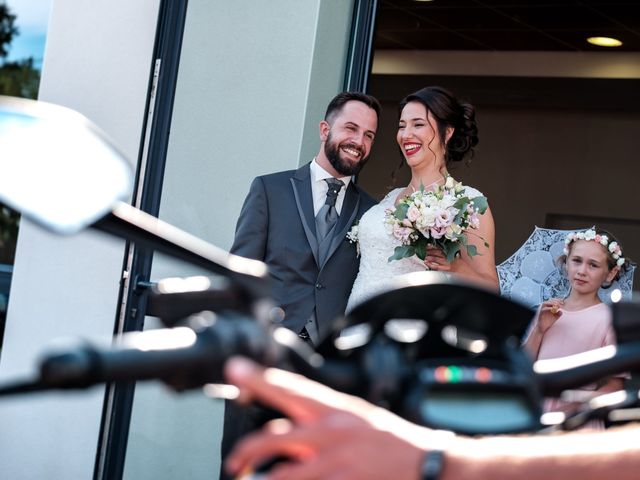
point(130, 223)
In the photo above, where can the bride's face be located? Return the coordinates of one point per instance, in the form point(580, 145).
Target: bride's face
point(418, 136)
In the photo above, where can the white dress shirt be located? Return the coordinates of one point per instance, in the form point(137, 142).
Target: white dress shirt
point(319, 187)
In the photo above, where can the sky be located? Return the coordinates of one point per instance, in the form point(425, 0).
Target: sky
point(32, 19)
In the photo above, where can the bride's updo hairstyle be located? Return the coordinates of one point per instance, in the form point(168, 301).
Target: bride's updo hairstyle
point(449, 111)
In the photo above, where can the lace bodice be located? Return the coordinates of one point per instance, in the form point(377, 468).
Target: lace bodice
point(376, 246)
point(376, 273)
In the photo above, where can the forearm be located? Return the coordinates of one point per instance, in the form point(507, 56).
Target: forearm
point(582, 455)
point(482, 267)
point(489, 279)
point(611, 385)
point(484, 275)
point(325, 424)
point(533, 342)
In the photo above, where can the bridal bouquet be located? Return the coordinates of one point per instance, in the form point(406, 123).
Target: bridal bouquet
point(441, 218)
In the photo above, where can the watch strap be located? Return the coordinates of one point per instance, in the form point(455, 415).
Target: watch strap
point(432, 465)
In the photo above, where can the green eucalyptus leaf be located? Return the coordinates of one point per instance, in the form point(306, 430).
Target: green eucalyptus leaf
point(402, 251)
point(462, 203)
point(401, 211)
point(421, 249)
point(450, 250)
point(472, 250)
point(481, 204)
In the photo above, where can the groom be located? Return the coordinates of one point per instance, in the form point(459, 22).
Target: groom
point(296, 221)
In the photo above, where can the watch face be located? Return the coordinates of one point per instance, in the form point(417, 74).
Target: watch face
point(475, 412)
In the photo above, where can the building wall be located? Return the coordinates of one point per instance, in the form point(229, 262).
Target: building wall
point(97, 61)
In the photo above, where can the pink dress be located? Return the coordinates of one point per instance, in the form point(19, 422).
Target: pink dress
point(576, 332)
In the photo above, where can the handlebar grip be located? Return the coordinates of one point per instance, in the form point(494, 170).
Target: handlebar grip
point(182, 357)
point(554, 376)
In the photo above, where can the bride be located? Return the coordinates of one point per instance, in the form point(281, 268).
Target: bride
point(435, 129)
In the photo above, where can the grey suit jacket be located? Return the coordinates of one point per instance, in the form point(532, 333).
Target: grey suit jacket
point(277, 225)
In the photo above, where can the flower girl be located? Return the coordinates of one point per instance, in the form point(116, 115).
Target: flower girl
point(592, 259)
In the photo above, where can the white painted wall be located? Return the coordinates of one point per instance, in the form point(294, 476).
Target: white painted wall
point(97, 61)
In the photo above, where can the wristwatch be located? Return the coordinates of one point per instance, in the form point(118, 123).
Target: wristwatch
point(432, 465)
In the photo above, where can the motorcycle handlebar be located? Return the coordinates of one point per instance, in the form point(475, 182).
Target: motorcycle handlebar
point(193, 355)
point(183, 357)
point(554, 376)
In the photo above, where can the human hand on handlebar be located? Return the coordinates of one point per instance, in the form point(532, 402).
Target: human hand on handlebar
point(327, 433)
point(331, 435)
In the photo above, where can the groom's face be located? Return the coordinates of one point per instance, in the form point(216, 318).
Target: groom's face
point(349, 138)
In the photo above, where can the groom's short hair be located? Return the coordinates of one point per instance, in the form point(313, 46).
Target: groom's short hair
point(336, 104)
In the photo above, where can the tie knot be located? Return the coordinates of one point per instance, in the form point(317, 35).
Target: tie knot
point(334, 189)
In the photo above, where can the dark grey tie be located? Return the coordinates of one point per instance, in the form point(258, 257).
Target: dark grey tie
point(325, 221)
point(328, 215)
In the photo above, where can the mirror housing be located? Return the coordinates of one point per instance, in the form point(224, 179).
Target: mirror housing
point(58, 168)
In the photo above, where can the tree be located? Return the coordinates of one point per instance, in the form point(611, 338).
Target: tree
point(7, 29)
point(18, 79)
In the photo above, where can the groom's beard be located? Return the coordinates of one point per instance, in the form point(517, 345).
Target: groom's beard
point(342, 166)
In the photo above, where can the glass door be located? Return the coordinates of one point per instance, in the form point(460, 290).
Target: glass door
point(243, 86)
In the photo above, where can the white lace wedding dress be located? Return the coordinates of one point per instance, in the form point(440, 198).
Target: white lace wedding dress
point(376, 273)
point(376, 246)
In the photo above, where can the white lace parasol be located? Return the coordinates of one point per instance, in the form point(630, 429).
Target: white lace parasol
point(531, 276)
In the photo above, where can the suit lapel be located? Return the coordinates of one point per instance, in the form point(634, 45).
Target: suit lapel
point(345, 221)
point(301, 184)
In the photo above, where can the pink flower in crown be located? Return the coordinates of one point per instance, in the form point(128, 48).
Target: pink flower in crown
point(615, 249)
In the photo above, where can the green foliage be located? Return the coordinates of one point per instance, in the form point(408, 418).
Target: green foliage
point(453, 243)
point(421, 248)
point(481, 204)
point(401, 211)
point(19, 79)
point(7, 29)
point(451, 250)
point(402, 251)
point(9, 222)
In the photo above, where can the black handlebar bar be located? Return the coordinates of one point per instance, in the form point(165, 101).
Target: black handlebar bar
point(193, 355)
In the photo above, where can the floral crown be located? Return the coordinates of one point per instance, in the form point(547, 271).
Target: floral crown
point(591, 235)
